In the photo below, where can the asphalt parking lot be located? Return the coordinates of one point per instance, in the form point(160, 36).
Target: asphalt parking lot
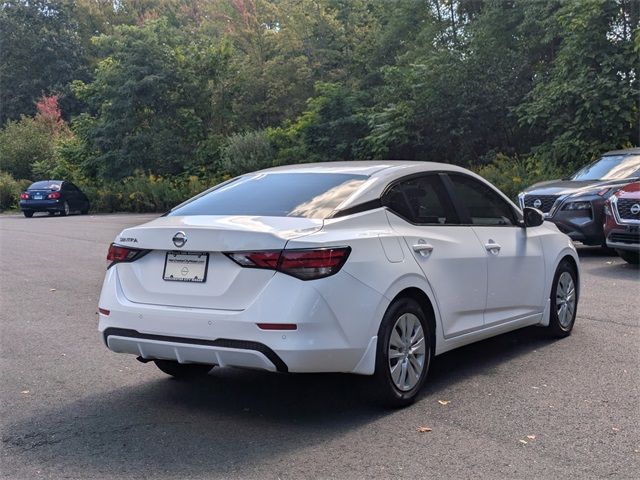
point(516, 406)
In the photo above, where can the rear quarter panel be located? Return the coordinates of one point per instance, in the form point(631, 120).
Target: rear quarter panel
point(378, 261)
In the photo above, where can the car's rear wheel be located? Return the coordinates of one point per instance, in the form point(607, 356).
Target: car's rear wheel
point(65, 210)
point(183, 371)
point(27, 213)
point(403, 354)
point(629, 257)
point(564, 300)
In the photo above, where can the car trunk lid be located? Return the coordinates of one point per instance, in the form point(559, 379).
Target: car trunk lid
point(228, 286)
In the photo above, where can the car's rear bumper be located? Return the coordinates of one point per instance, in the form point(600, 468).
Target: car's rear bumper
point(41, 205)
point(335, 332)
point(221, 352)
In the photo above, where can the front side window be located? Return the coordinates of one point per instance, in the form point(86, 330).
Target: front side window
point(421, 200)
point(309, 195)
point(483, 205)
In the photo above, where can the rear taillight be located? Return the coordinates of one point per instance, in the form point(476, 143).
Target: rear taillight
point(24, 196)
point(118, 254)
point(305, 264)
point(54, 195)
point(310, 264)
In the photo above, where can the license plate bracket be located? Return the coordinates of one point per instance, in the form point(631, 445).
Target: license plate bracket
point(189, 267)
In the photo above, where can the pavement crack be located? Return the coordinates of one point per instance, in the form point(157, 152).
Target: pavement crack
point(600, 320)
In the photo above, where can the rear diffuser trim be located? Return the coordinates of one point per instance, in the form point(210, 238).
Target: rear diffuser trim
point(220, 342)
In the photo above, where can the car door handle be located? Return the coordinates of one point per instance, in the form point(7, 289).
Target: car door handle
point(492, 247)
point(423, 248)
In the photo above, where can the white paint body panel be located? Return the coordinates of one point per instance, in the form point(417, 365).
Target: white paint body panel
point(474, 293)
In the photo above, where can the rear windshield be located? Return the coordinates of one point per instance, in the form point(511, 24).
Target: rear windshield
point(45, 185)
point(309, 195)
point(611, 167)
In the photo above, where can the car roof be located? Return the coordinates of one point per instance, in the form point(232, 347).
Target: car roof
point(626, 151)
point(380, 173)
point(51, 182)
point(385, 168)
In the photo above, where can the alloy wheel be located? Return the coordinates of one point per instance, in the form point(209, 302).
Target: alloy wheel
point(407, 352)
point(565, 299)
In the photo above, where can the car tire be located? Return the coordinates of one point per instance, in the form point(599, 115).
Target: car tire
point(66, 210)
point(183, 371)
point(27, 214)
point(630, 257)
point(399, 373)
point(564, 301)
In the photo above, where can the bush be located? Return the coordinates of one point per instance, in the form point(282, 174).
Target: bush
point(145, 193)
point(22, 144)
point(513, 174)
point(10, 190)
point(247, 152)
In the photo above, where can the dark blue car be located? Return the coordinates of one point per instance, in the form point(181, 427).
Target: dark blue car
point(53, 196)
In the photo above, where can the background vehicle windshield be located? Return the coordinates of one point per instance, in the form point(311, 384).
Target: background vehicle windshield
point(309, 195)
point(611, 167)
point(45, 185)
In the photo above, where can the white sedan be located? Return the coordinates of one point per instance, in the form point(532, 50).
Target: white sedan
point(370, 268)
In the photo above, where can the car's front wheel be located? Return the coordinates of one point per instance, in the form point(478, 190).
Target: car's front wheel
point(564, 300)
point(403, 354)
point(629, 257)
point(183, 371)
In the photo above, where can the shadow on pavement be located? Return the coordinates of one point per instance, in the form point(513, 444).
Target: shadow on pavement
point(605, 262)
point(229, 422)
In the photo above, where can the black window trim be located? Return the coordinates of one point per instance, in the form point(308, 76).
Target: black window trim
point(448, 204)
point(451, 201)
point(462, 209)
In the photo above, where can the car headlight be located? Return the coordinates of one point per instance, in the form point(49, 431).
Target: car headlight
point(577, 206)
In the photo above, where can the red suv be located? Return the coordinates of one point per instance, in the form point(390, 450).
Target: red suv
point(622, 222)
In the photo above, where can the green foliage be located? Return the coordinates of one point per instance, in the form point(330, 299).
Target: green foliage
point(149, 98)
point(586, 102)
point(246, 152)
point(331, 128)
point(10, 190)
point(24, 143)
point(159, 91)
point(513, 174)
point(41, 53)
point(145, 193)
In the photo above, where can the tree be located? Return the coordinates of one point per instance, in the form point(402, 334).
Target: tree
point(585, 101)
point(41, 53)
point(32, 140)
point(150, 102)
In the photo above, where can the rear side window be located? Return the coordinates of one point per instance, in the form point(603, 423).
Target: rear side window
point(483, 205)
point(309, 195)
point(421, 200)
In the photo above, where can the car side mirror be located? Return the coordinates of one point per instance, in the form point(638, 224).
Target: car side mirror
point(532, 217)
